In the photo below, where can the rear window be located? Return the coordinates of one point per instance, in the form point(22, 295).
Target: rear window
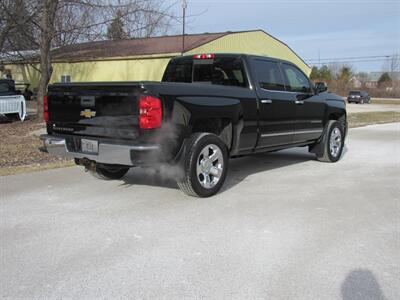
point(221, 71)
point(353, 93)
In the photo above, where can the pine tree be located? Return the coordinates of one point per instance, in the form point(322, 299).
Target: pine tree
point(115, 30)
point(384, 80)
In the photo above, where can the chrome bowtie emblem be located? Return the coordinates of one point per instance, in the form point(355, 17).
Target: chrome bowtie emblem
point(87, 113)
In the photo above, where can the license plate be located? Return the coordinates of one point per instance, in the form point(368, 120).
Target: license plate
point(90, 146)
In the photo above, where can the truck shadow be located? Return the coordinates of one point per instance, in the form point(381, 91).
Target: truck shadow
point(239, 169)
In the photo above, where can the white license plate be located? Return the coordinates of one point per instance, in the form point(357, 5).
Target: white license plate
point(90, 146)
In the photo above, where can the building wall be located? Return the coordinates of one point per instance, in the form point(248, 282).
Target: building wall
point(112, 70)
point(24, 73)
point(152, 67)
point(255, 42)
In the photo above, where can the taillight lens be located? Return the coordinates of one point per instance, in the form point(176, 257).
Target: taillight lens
point(150, 112)
point(46, 108)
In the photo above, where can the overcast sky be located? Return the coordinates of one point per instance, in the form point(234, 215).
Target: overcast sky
point(324, 28)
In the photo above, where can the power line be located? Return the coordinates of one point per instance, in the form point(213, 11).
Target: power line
point(349, 58)
point(348, 61)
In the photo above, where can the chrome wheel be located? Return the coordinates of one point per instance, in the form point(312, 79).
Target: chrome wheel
point(335, 142)
point(209, 166)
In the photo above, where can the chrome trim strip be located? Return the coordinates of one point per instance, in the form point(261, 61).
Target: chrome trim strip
point(309, 131)
point(277, 134)
point(291, 132)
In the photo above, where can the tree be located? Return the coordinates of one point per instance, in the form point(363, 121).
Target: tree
point(384, 80)
point(47, 26)
point(315, 74)
point(321, 74)
point(57, 23)
point(115, 30)
point(325, 74)
point(16, 27)
point(345, 73)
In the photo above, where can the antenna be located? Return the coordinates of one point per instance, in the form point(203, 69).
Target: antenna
point(184, 6)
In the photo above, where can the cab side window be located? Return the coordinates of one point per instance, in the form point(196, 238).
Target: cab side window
point(296, 80)
point(269, 75)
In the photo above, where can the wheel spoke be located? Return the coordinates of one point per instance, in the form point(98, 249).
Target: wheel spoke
point(208, 180)
point(216, 172)
point(205, 153)
point(214, 156)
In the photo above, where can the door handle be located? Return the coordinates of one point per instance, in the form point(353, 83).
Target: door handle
point(266, 101)
point(298, 102)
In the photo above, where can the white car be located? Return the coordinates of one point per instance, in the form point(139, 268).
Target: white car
point(11, 102)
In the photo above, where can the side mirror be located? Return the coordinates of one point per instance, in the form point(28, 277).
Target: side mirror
point(320, 87)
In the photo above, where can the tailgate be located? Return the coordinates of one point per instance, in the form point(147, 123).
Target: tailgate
point(102, 110)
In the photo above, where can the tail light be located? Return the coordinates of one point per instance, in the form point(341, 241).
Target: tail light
point(46, 108)
point(150, 112)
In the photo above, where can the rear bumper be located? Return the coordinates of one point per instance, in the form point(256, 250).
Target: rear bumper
point(116, 154)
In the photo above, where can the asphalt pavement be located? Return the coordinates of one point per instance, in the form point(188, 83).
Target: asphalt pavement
point(284, 227)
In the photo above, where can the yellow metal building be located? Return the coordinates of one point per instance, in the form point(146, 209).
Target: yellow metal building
point(146, 59)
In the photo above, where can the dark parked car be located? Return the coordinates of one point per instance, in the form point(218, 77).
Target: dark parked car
point(207, 109)
point(358, 97)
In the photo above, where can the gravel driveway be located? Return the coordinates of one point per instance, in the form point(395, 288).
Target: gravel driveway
point(284, 227)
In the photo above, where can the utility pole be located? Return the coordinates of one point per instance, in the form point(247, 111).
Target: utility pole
point(184, 6)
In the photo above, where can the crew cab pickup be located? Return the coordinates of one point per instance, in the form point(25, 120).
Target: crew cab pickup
point(207, 109)
point(11, 100)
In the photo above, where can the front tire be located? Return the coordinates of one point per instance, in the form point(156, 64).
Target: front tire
point(204, 165)
point(333, 142)
point(109, 173)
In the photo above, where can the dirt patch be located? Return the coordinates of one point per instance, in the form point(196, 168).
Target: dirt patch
point(19, 147)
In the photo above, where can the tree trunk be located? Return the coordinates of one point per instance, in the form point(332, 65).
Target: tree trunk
point(47, 35)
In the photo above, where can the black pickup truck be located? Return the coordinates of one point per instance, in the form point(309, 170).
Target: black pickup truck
point(207, 109)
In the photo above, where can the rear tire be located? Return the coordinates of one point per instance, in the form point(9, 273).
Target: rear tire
point(204, 165)
point(333, 142)
point(109, 173)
